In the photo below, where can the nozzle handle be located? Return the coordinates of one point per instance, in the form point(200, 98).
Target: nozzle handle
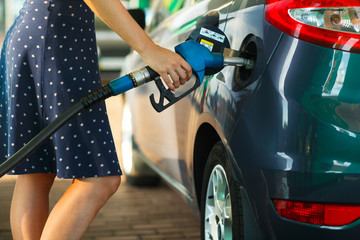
point(153, 75)
point(199, 57)
point(169, 95)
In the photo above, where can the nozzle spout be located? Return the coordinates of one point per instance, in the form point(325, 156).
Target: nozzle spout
point(239, 62)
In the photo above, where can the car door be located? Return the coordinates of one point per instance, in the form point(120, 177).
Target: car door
point(162, 137)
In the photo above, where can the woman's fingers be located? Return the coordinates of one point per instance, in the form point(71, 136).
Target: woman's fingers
point(165, 77)
point(186, 66)
point(175, 78)
point(183, 77)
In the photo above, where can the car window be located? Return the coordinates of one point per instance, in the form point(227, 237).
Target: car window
point(2, 16)
point(164, 9)
point(255, 2)
point(248, 3)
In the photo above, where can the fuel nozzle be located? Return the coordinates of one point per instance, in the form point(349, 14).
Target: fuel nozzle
point(146, 74)
point(202, 60)
point(143, 75)
point(132, 80)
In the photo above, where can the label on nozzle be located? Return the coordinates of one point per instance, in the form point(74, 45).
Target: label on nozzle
point(207, 44)
point(212, 35)
point(213, 39)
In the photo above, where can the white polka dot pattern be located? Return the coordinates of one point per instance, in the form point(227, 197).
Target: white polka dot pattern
point(48, 63)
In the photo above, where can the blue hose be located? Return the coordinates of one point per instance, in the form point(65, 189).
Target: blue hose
point(121, 84)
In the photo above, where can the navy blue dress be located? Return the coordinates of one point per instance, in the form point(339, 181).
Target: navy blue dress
point(48, 63)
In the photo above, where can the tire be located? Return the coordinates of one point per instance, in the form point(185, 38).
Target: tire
point(221, 208)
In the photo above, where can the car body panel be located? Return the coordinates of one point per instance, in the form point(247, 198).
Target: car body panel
point(167, 146)
point(218, 100)
point(309, 126)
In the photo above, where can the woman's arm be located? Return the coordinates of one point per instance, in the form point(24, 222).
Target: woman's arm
point(165, 62)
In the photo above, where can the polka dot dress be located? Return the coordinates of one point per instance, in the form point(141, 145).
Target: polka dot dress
point(48, 63)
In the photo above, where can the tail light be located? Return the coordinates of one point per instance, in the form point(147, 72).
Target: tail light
point(330, 23)
point(317, 213)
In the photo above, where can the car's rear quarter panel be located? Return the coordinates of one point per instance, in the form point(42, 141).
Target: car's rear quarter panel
point(298, 137)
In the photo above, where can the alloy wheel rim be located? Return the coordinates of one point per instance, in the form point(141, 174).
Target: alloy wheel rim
point(218, 217)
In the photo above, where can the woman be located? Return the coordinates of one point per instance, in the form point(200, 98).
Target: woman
point(48, 63)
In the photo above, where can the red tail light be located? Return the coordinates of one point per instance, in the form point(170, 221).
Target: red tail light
point(317, 213)
point(330, 23)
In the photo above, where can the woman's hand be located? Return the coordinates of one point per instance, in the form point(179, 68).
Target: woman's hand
point(171, 67)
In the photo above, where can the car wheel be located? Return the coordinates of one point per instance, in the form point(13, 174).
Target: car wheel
point(137, 172)
point(221, 209)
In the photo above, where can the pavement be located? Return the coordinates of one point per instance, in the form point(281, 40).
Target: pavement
point(133, 213)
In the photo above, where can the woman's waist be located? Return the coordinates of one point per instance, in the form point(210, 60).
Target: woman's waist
point(59, 7)
point(56, 11)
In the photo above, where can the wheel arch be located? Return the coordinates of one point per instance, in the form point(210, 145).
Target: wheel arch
point(205, 139)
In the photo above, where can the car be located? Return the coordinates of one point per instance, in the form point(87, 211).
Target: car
point(270, 152)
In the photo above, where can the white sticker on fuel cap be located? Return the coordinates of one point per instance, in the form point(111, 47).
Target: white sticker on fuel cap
point(213, 35)
point(207, 44)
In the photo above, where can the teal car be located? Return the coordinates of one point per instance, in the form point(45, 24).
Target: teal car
point(267, 153)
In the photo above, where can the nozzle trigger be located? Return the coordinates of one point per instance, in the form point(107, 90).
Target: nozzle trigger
point(169, 95)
